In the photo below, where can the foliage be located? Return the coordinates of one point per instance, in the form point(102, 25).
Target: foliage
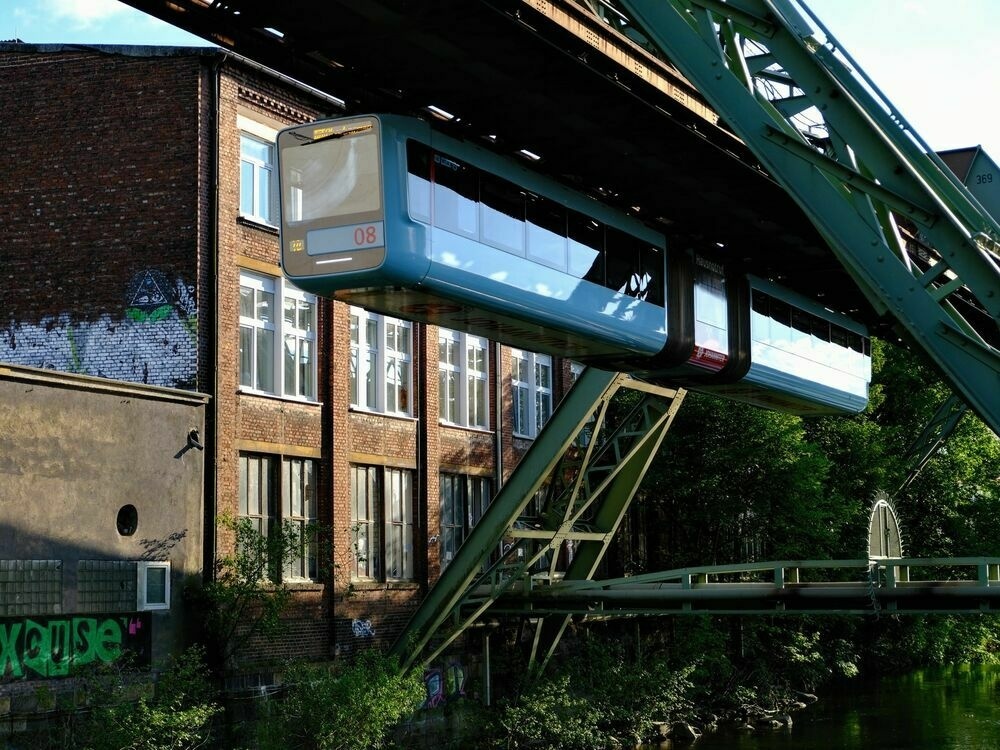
point(550, 715)
point(602, 694)
point(178, 717)
point(247, 596)
point(734, 484)
point(346, 707)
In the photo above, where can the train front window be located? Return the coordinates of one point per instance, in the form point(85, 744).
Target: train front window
point(330, 177)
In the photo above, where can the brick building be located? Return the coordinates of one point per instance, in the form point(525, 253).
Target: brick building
point(140, 244)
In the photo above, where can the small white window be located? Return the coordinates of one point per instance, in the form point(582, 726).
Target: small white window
point(463, 371)
point(381, 363)
point(531, 381)
point(277, 337)
point(153, 585)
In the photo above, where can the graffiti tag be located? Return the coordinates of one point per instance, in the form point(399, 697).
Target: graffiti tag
point(54, 646)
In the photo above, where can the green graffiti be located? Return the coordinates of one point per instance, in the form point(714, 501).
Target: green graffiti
point(8, 649)
point(139, 315)
point(53, 647)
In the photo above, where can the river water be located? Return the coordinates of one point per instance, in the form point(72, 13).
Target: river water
point(942, 709)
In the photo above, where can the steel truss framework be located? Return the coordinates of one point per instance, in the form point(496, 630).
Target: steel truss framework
point(860, 587)
point(584, 468)
point(840, 148)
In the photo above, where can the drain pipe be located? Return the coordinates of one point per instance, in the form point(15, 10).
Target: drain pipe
point(212, 455)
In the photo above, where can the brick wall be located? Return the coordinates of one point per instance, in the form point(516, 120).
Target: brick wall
point(99, 214)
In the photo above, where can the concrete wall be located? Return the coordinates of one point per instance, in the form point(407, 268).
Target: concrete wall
point(73, 451)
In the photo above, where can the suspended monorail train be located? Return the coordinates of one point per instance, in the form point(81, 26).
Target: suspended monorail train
point(384, 212)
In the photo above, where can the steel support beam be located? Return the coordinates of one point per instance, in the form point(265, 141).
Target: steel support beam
point(591, 461)
point(871, 162)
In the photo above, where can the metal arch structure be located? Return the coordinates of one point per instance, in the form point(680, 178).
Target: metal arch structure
point(854, 165)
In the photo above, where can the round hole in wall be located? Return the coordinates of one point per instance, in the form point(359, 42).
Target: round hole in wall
point(128, 520)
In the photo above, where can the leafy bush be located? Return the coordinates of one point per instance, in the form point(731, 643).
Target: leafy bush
point(598, 695)
point(178, 717)
point(346, 707)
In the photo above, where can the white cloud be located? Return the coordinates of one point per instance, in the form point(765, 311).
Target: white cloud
point(85, 13)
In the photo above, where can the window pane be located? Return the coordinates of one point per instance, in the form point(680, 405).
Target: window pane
point(503, 214)
point(622, 263)
point(546, 221)
point(246, 302)
point(255, 150)
point(265, 360)
point(307, 386)
point(288, 357)
point(456, 196)
point(337, 177)
point(307, 316)
point(371, 375)
point(246, 188)
point(264, 307)
point(586, 248)
point(246, 356)
point(263, 194)
point(156, 586)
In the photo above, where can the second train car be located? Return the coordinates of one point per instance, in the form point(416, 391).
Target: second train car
point(384, 212)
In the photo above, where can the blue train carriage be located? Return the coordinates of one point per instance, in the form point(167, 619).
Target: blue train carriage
point(801, 358)
point(383, 212)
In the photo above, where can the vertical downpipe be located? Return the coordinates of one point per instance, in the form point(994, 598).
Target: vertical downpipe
point(211, 455)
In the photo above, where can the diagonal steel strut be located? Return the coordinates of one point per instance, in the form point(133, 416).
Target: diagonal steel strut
point(589, 459)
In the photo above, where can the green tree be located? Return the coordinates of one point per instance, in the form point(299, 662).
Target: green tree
point(248, 596)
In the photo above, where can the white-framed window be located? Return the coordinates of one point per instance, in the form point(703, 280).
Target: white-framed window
point(258, 181)
point(153, 585)
point(463, 369)
point(381, 363)
point(531, 383)
point(298, 509)
point(382, 523)
point(268, 498)
point(463, 501)
point(287, 368)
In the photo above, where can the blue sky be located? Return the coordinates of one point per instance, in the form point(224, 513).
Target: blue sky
point(935, 61)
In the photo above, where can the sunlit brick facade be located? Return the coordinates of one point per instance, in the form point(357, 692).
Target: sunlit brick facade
point(140, 244)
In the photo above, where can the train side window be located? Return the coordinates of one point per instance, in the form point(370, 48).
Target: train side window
point(586, 248)
point(760, 303)
point(651, 264)
point(456, 196)
point(623, 269)
point(780, 312)
point(546, 221)
point(503, 214)
point(821, 328)
point(841, 337)
point(418, 181)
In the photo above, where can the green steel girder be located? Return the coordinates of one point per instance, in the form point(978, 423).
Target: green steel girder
point(804, 587)
point(872, 164)
point(589, 459)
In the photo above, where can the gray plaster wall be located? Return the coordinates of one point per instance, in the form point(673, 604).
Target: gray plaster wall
point(73, 451)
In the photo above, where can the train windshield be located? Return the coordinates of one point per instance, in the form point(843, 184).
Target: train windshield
point(330, 177)
point(332, 207)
